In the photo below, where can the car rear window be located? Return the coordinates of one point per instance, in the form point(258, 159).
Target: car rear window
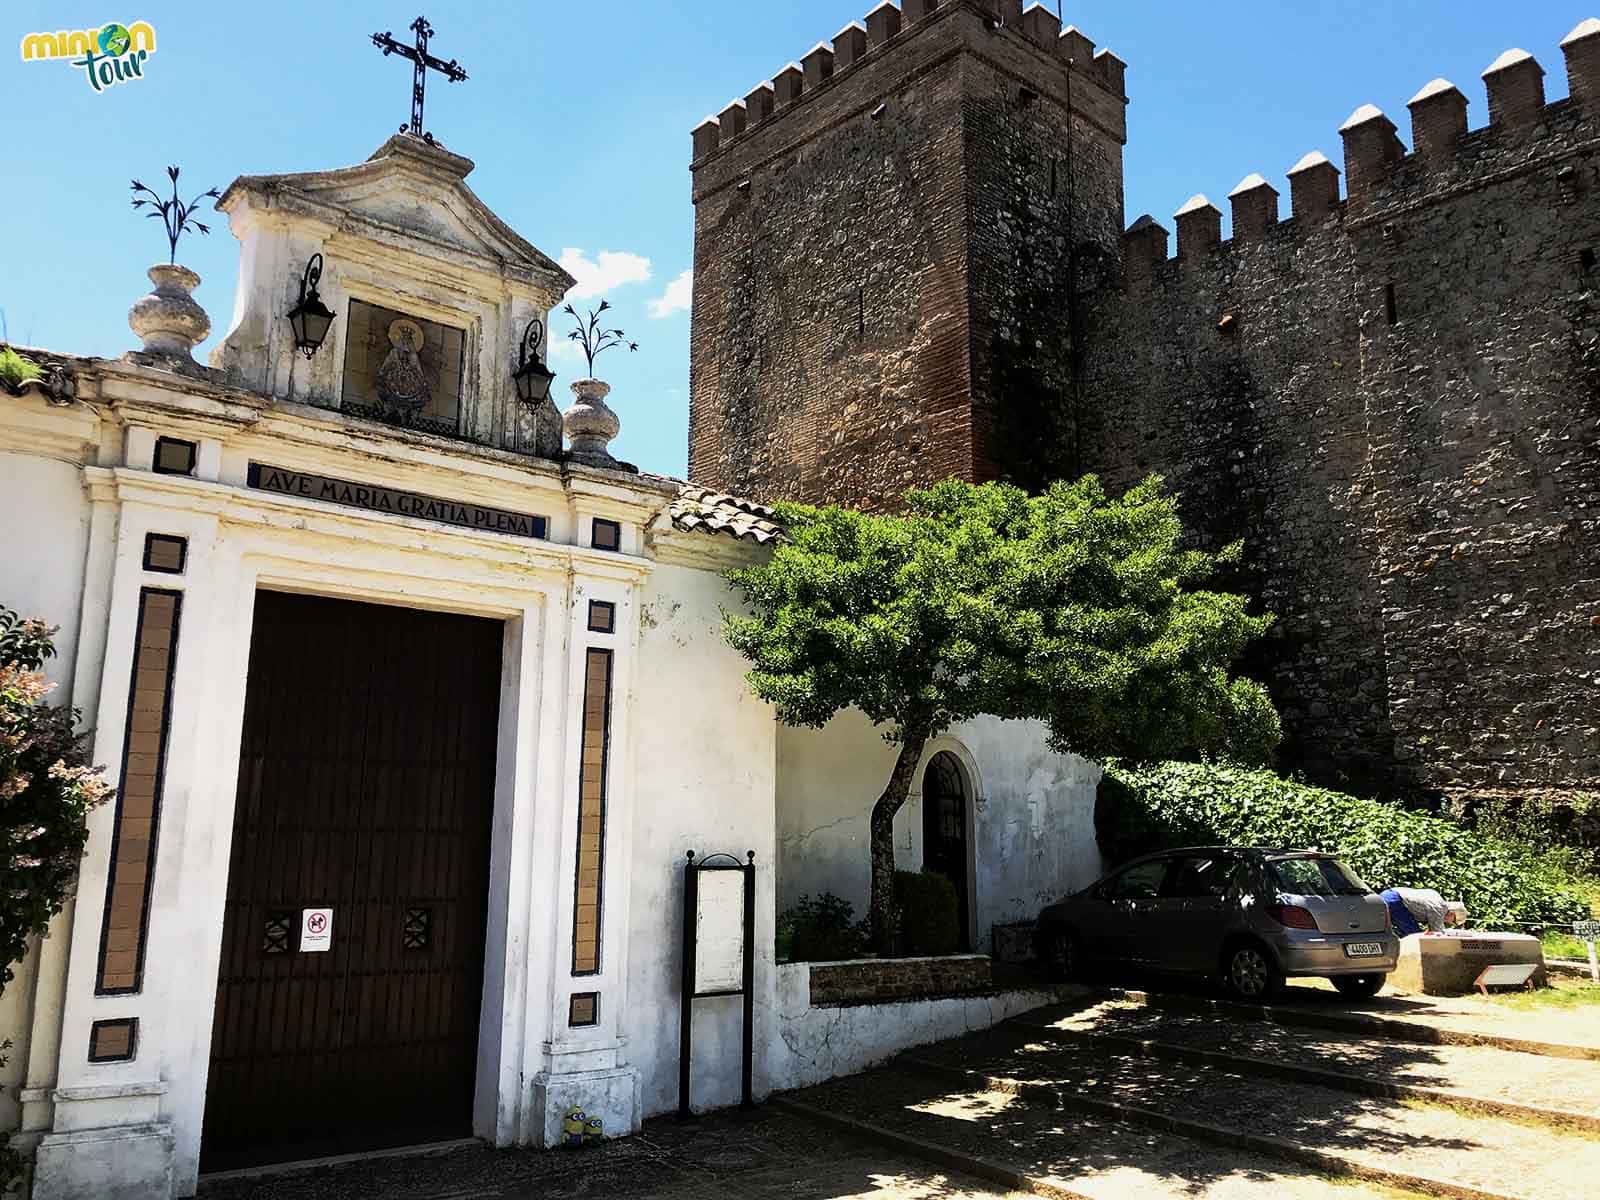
point(1316, 877)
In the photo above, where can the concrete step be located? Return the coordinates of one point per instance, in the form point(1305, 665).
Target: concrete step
point(1425, 1021)
point(1558, 1091)
point(1074, 1155)
point(1427, 1147)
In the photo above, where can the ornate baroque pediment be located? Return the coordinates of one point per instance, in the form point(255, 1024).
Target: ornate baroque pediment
point(410, 194)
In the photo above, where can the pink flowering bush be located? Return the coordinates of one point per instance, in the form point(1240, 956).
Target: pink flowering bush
point(46, 791)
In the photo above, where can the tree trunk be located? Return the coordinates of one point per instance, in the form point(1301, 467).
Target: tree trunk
point(894, 795)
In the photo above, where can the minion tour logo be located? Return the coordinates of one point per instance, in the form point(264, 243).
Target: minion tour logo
point(112, 54)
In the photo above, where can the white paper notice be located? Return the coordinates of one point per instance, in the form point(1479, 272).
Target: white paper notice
point(719, 932)
point(316, 930)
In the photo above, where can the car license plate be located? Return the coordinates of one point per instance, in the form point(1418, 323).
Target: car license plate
point(1363, 949)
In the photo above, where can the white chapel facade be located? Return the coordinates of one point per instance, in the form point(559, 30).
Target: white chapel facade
point(414, 717)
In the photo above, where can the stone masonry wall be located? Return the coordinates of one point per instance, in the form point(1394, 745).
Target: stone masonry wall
point(910, 265)
point(841, 342)
point(1396, 403)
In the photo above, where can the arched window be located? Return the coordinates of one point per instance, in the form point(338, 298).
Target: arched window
point(944, 828)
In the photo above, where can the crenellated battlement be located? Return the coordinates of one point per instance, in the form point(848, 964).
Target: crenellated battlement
point(1378, 169)
point(883, 32)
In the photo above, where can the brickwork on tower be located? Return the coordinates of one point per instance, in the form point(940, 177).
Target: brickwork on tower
point(1392, 395)
point(876, 231)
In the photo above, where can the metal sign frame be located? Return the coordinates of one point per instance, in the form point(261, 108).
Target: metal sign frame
point(691, 899)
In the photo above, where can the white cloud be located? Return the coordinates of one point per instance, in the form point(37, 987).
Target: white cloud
point(564, 347)
point(607, 270)
point(676, 299)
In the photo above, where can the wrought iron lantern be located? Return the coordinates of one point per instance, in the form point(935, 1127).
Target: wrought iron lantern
point(533, 378)
point(311, 318)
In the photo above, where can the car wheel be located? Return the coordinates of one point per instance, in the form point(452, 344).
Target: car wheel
point(1251, 974)
point(1359, 987)
point(1058, 951)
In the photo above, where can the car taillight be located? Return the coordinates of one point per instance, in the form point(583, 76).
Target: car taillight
point(1293, 916)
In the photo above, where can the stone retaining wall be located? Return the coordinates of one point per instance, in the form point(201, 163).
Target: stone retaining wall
point(877, 981)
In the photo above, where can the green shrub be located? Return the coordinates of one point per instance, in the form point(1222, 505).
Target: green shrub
point(16, 370)
point(820, 930)
point(930, 915)
point(1173, 804)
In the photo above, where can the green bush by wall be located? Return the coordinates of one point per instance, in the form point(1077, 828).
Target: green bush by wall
point(930, 914)
point(820, 929)
point(1140, 810)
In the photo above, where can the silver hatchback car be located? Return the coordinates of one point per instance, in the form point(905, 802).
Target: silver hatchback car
point(1252, 916)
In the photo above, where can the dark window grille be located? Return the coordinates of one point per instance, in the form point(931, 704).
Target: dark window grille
point(417, 930)
point(277, 935)
point(602, 617)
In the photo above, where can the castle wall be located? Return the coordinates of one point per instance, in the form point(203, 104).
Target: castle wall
point(1395, 404)
point(910, 264)
point(1261, 431)
point(1483, 401)
point(840, 336)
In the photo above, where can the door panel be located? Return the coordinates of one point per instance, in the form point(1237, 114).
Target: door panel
point(366, 785)
point(944, 831)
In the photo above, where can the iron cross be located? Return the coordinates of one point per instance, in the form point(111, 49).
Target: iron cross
point(422, 61)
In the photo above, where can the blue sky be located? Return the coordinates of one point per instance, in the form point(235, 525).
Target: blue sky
point(578, 116)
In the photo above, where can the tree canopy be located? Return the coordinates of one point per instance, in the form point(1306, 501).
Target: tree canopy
point(1070, 607)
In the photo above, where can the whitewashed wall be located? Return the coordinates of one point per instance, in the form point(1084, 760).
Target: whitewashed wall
point(704, 764)
point(42, 549)
point(812, 1045)
point(1032, 827)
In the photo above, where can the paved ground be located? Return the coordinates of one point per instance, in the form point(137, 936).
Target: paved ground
point(767, 1154)
point(1017, 1104)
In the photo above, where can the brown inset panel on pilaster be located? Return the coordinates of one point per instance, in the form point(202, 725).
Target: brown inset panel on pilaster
point(114, 1041)
point(144, 755)
point(592, 813)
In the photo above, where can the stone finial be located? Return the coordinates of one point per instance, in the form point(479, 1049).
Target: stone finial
point(1199, 227)
point(1371, 147)
point(168, 320)
point(1313, 187)
point(732, 120)
point(1255, 207)
point(788, 84)
point(1041, 26)
point(915, 10)
point(1438, 118)
point(707, 137)
point(1144, 248)
point(1073, 47)
point(883, 23)
point(817, 65)
point(1582, 49)
point(1516, 88)
point(590, 425)
point(758, 105)
point(1113, 72)
point(849, 45)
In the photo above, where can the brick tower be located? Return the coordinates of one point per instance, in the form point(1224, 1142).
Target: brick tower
point(889, 234)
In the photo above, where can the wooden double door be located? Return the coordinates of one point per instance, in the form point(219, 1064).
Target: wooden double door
point(366, 788)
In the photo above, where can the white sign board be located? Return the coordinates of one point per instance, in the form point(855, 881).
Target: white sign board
point(316, 930)
point(719, 932)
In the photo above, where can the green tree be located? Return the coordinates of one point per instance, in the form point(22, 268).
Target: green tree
point(1069, 607)
point(46, 791)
